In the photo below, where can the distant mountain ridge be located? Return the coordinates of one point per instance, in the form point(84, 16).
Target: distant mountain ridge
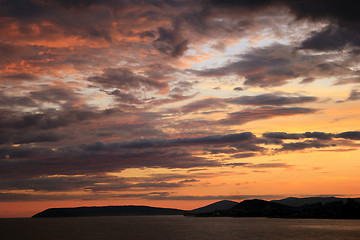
point(313, 207)
point(220, 205)
point(107, 211)
point(298, 202)
point(348, 209)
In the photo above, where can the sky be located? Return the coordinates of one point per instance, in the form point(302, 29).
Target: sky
point(176, 103)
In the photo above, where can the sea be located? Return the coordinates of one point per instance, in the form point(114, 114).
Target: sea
point(176, 227)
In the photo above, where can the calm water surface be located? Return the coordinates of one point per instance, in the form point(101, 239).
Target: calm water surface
point(177, 227)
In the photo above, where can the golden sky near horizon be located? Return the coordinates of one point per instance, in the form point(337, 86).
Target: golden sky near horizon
point(176, 103)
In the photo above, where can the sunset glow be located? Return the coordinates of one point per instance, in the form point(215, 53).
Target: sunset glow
point(176, 103)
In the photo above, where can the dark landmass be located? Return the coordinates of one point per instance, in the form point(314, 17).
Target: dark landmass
point(315, 207)
point(298, 202)
point(217, 206)
point(348, 209)
point(107, 211)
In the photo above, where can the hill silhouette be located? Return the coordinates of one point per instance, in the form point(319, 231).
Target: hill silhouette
point(348, 209)
point(284, 208)
point(298, 202)
point(107, 211)
point(216, 206)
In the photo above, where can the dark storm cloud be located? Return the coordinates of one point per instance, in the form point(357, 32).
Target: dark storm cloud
point(100, 157)
point(99, 183)
point(315, 10)
point(81, 4)
point(49, 119)
point(137, 186)
point(256, 4)
point(276, 64)
point(319, 135)
point(263, 113)
point(244, 155)
point(11, 197)
point(145, 34)
point(41, 162)
point(271, 99)
point(269, 66)
point(123, 97)
point(283, 135)
point(14, 197)
point(55, 95)
point(354, 95)
point(333, 38)
point(303, 145)
point(10, 136)
point(238, 89)
point(171, 42)
point(52, 184)
point(24, 9)
point(125, 79)
point(14, 101)
point(160, 143)
point(19, 77)
point(353, 135)
point(9, 152)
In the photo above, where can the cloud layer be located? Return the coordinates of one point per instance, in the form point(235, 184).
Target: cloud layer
point(94, 91)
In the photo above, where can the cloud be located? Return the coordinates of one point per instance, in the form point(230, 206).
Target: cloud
point(211, 197)
point(244, 155)
point(161, 143)
point(74, 161)
point(238, 89)
point(55, 95)
point(19, 77)
point(12, 197)
point(16, 53)
point(303, 145)
point(259, 165)
point(275, 65)
point(123, 97)
point(23, 137)
point(283, 135)
point(353, 135)
point(112, 157)
point(208, 103)
point(319, 135)
point(271, 99)
point(263, 113)
point(171, 42)
point(332, 38)
point(20, 197)
point(268, 165)
point(97, 183)
point(354, 95)
point(125, 79)
point(7, 101)
point(50, 119)
point(321, 9)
